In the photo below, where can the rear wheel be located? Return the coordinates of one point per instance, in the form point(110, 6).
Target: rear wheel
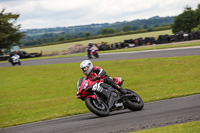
point(96, 108)
point(134, 102)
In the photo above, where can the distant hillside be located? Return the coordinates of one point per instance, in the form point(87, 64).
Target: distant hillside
point(46, 35)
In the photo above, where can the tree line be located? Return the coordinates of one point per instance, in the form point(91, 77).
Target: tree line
point(34, 36)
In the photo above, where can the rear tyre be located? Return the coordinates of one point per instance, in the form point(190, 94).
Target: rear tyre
point(135, 102)
point(96, 108)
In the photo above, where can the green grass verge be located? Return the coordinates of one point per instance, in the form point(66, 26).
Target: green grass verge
point(190, 127)
point(65, 46)
point(34, 93)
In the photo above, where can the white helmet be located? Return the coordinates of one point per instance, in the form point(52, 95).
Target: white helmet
point(86, 66)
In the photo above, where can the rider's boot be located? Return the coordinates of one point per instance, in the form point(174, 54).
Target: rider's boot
point(121, 90)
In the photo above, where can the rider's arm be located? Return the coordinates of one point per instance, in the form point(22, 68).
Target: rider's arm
point(100, 72)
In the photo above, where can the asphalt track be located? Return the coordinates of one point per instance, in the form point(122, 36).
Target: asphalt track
point(154, 114)
point(171, 52)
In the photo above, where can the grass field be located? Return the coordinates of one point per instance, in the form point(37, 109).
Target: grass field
point(190, 127)
point(65, 46)
point(34, 93)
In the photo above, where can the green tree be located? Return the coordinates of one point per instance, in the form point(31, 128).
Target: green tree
point(135, 27)
point(107, 31)
point(87, 34)
point(61, 38)
point(145, 26)
point(9, 33)
point(127, 28)
point(150, 29)
point(186, 21)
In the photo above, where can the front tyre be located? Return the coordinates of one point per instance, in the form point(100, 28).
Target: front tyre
point(89, 57)
point(135, 102)
point(96, 55)
point(96, 108)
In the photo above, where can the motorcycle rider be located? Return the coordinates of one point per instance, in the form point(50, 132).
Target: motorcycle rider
point(14, 59)
point(13, 55)
point(97, 73)
point(90, 45)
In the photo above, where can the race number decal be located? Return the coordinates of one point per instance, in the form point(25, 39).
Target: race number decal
point(97, 87)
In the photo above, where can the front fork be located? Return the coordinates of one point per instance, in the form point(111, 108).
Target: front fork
point(98, 100)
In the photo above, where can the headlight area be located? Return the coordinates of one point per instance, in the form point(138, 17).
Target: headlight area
point(78, 95)
point(84, 86)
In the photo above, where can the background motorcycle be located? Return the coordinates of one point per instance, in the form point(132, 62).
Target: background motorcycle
point(102, 104)
point(93, 52)
point(14, 60)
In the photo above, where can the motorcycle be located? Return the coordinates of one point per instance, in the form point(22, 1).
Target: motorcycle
point(93, 51)
point(15, 60)
point(102, 104)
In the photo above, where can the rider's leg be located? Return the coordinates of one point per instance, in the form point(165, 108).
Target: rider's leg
point(112, 95)
point(110, 81)
point(89, 53)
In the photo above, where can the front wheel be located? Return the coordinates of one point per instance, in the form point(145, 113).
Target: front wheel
point(96, 55)
point(134, 102)
point(96, 108)
point(89, 57)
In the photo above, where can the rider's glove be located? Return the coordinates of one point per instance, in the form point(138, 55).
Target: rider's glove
point(98, 78)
